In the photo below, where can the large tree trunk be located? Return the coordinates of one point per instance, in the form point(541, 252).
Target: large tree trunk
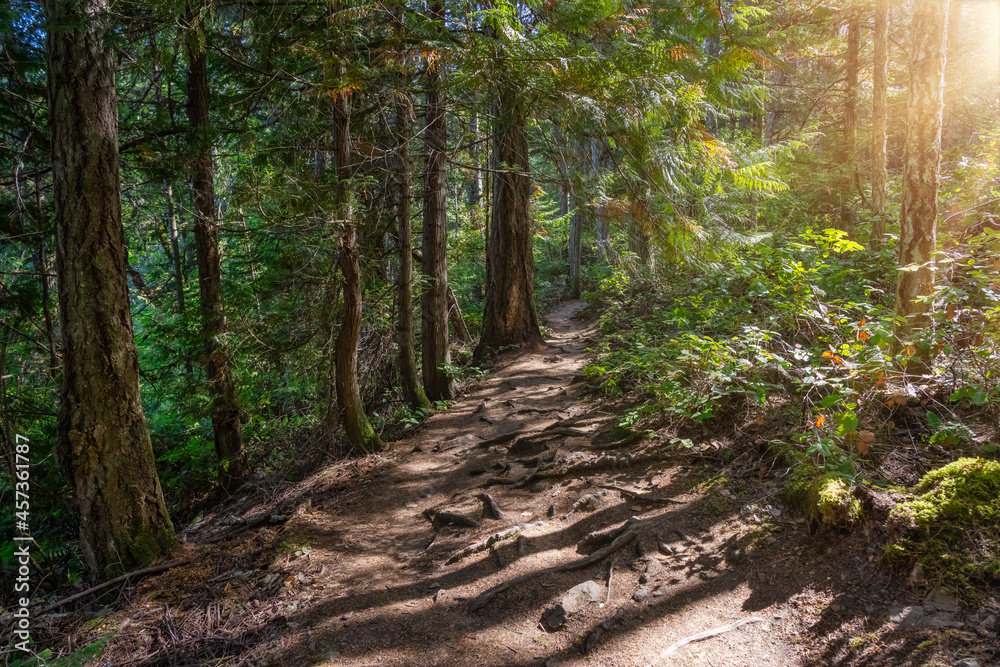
point(509, 316)
point(359, 430)
point(103, 442)
point(434, 301)
point(921, 174)
point(879, 111)
point(413, 392)
point(226, 426)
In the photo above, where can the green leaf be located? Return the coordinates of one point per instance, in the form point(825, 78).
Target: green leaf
point(990, 449)
point(933, 421)
point(979, 398)
point(830, 401)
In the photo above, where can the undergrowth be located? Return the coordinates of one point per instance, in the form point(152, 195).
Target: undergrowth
point(794, 339)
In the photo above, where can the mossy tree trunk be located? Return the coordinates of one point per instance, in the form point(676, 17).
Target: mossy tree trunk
point(921, 176)
point(103, 444)
point(225, 413)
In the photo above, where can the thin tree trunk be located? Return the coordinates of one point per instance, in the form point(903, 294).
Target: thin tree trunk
point(103, 444)
point(575, 249)
point(456, 319)
point(847, 212)
point(434, 301)
point(879, 116)
point(476, 185)
point(413, 392)
point(226, 426)
point(46, 282)
point(509, 316)
point(953, 84)
point(921, 176)
point(359, 430)
point(175, 247)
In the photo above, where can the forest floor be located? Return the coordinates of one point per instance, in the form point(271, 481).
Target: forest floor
point(346, 567)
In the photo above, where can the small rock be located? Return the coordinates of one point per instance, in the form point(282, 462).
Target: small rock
point(580, 596)
point(538, 487)
point(938, 600)
point(917, 575)
point(416, 450)
point(439, 595)
point(967, 662)
point(907, 617)
point(658, 593)
point(837, 607)
point(434, 584)
point(640, 594)
point(332, 656)
point(554, 618)
point(940, 621)
point(551, 512)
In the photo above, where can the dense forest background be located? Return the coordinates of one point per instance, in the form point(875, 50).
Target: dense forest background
point(334, 211)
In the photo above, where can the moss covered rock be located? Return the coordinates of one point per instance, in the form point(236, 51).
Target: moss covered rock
point(822, 496)
point(952, 524)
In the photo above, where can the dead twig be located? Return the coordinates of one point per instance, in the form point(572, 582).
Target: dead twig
point(90, 591)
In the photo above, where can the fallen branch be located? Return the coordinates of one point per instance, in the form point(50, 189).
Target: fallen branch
point(706, 634)
point(632, 529)
point(90, 591)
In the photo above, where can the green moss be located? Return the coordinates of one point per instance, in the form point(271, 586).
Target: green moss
point(822, 496)
point(953, 525)
point(830, 501)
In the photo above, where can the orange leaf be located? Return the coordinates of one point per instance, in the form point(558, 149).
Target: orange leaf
point(862, 335)
point(827, 354)
point(820, 420)
point(862, 448)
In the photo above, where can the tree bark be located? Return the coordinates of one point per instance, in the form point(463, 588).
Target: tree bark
point(434, 299)
point(103, 444)
point(879, 119)
point(413, 392)
point(359, 430)
point(476, 185)
point(847, 213)
point(509, 316)
point(575, 249)
point(921, 175)
point(225, 413)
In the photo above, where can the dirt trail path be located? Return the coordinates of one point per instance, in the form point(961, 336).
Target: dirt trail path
point(376, 576)
point(354, 573)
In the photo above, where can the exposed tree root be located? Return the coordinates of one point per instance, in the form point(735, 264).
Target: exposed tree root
point(490, 542)
point(595, 635)
point(441, 519)
point(632, 528)
point(706, 634)
point(563, 469)
point(490, 509)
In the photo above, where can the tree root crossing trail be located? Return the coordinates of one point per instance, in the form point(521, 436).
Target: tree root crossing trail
point(521, 526)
